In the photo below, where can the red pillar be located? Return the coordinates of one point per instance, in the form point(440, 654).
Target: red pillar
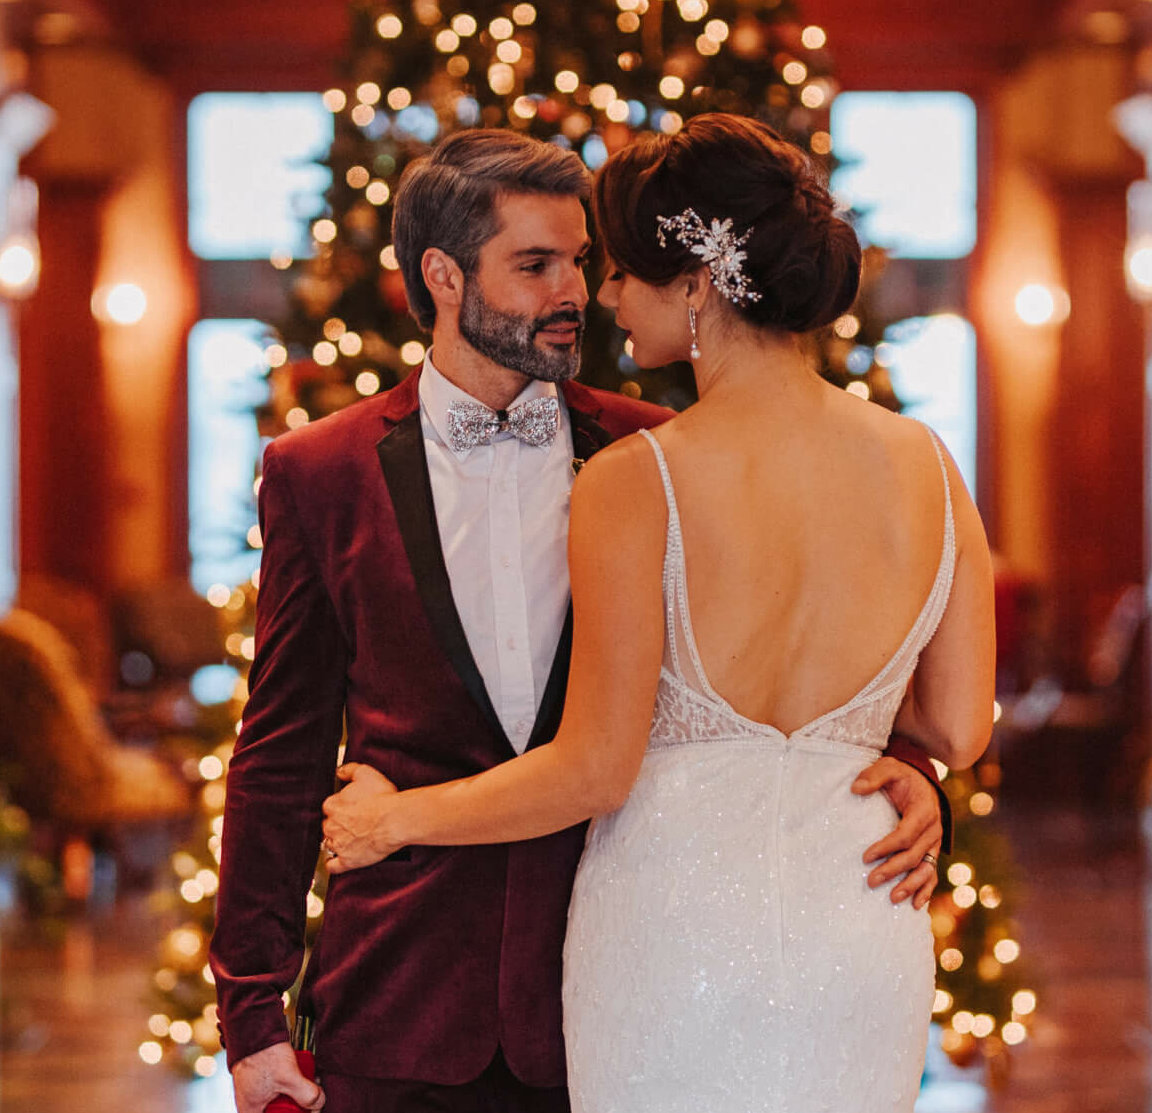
point(1096, 451)
point(64, 438)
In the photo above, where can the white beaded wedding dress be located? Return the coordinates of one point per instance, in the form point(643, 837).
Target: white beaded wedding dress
point(724, 952)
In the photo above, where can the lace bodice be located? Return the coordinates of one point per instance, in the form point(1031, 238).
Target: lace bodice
point(688, 709)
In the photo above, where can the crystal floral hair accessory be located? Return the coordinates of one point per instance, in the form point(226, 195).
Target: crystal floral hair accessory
point(718, 246)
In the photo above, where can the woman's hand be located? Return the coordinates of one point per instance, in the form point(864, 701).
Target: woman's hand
point(355, 819)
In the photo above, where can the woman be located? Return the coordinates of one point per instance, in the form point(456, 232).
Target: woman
point(761, 589)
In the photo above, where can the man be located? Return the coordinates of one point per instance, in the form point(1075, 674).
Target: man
point(414, 589)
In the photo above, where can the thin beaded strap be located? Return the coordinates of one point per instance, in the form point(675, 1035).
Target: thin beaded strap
point(949, 525)
point(662, 464)
point(943, 588)
point(673, 575)
point(933, 610)
point(675, 579)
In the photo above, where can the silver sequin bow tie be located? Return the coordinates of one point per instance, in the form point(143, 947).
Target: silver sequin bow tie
point(534, 422)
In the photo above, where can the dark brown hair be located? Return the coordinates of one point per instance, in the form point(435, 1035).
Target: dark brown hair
point(802, 259)
point(448, 199)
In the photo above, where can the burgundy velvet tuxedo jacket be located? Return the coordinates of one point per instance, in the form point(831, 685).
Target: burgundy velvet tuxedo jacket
point(430, 959)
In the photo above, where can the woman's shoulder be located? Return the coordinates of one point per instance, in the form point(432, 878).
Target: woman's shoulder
point(618, 504)
point(622, 479)
point(907, 444)
point(631, 458)
point(920, 464)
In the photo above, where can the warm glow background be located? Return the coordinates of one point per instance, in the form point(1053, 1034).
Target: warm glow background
point(100, 292)
point(1061, 403)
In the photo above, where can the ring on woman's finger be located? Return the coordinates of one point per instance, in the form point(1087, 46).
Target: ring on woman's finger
point(328, 849)
point(931, 859)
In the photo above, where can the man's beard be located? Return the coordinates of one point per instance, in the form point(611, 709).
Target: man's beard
point(509, 338)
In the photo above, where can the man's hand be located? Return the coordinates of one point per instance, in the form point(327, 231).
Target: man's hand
point(918, 833)
point(259, 1077)
point(353, 828)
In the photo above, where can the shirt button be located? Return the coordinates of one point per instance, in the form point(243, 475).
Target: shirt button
point(511, 643)
point(505, 562)
point(521, 726)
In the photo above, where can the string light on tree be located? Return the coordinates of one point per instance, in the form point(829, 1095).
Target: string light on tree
point(813, 37)
point(389, 27)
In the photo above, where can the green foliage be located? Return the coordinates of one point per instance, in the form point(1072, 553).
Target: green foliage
point(979, 972)
point(589, 76)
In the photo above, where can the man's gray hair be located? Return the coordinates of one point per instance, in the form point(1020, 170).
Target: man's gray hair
point(448, 199)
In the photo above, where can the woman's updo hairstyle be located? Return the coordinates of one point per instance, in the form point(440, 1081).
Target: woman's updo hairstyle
point(802, 259)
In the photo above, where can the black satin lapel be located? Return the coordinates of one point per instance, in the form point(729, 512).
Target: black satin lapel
point(552, 703)
point(405, 467)
point(588, 436)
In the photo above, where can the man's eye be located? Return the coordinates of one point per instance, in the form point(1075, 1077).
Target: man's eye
point(583, 261)
point(533, 268)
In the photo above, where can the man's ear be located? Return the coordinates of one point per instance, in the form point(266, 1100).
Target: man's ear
point(443, 277)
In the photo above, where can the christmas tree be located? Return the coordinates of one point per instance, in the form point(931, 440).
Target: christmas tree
point(589, 77)
point(983, 1001)
point(182, 1027)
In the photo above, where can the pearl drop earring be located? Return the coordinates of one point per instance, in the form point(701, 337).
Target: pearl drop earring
point(694, 351)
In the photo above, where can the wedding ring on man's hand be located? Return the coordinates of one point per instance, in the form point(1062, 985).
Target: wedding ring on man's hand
point(931, 859)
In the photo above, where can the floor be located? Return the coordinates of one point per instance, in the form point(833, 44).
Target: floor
point(75, 1008)
point(1086, 923)
point(75, 995)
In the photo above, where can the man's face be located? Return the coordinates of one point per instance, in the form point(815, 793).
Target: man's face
point(523, 307)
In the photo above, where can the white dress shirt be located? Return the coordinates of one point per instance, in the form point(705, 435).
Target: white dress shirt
point(502, 509)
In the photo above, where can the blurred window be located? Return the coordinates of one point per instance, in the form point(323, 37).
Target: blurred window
point(907, 164)
point(254, 184)
point(907, 168)
point(932, 362)
point(253, 181)
point(226, 381)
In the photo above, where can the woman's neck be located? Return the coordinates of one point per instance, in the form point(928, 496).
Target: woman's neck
point(754, 372)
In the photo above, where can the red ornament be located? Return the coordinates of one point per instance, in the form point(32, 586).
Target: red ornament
point(305, 371)
point(391, 286)
point(549, 110)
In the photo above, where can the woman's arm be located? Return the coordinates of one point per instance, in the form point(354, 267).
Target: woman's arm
point(615, 554)
point(948, 707)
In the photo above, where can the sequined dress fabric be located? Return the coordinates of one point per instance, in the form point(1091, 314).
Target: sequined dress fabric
point(724, 952)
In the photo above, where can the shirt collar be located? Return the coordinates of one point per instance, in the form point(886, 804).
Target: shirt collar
point(437, 393)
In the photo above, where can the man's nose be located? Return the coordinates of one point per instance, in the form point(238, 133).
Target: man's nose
point(574, 291)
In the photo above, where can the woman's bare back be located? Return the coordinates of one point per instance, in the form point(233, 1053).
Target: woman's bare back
point(809, 553)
